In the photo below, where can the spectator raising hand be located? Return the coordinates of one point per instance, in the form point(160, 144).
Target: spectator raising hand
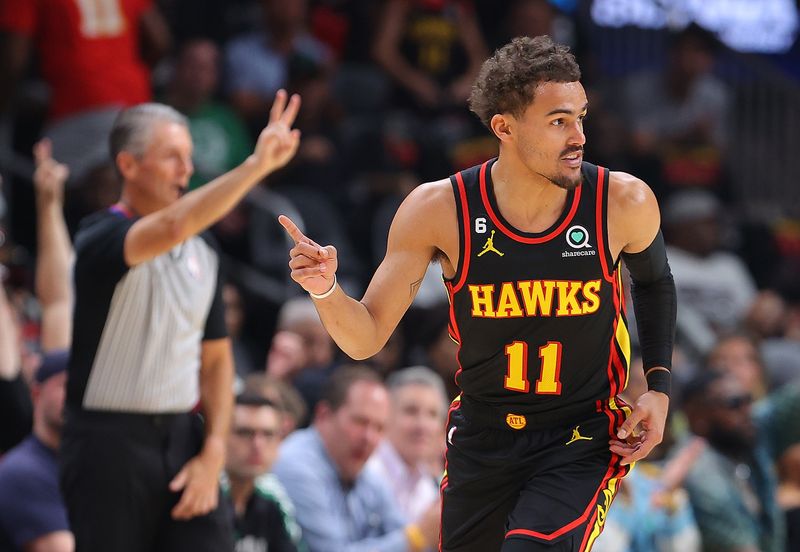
point(54, 249)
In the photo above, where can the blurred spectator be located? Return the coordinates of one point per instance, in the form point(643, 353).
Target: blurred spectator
point(433, 49)
point(16, 412)
point(534, 18)
point(710, 281)
point(291, 405)
point(737, 354)
point(432, 346)
point(732, 484)
point(346, 26)
point(53, 291)
point(257, 64)
point(390, 359)
point(219, 136)
point(299, 316)
point(340, 504)
point(774, 320)
point(679, 114)
point(234, 322)
point(638, 523)
point(417, 414)
point(286, 356)
point(789, 495)
point(263, 515)
point(94, 57)
point(651, 511)
point(32, 512)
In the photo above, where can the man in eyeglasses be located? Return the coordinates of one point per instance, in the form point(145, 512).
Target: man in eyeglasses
point(732, 484)
point(263, 515)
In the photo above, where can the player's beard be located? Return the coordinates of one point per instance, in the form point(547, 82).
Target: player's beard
point(566, 182)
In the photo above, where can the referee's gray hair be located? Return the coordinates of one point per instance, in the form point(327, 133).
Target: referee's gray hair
point(417, 375)
point(133, 126)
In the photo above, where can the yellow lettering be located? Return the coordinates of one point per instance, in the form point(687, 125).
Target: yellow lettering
point(567, 301)
point(590, 292)
point(537, 295)
point(508, 304)
point(482, 297)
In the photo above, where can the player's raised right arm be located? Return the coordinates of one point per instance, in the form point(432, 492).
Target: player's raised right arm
point(361, 328)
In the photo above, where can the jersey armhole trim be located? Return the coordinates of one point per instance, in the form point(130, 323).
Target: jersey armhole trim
point(600, 220)
point(465, 239)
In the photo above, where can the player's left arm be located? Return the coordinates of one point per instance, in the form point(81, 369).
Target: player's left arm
point(634, 234)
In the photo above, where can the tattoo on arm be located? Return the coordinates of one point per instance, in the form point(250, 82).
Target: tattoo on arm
point(415, 287)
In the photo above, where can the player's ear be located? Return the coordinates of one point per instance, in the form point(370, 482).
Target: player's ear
point(501, 126)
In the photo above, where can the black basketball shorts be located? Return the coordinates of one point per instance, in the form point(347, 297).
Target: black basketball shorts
point(541, 489)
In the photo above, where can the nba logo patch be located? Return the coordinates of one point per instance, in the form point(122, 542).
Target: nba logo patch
point(193, 266)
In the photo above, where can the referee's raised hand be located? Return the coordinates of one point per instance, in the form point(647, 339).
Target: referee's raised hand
point(278, 142)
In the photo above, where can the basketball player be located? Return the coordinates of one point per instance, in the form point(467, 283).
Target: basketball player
point(529, 245)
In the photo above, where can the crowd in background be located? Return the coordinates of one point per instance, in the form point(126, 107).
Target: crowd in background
point(384, 87)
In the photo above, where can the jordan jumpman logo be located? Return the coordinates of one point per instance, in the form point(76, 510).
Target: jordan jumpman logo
point(489, 246)
point(576, 436)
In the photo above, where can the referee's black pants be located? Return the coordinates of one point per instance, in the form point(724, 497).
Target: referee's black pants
point(115, 472)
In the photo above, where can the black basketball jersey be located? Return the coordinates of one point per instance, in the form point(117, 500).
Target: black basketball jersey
point(538, 317)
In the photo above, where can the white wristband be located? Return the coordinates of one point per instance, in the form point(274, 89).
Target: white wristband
point(327, 293)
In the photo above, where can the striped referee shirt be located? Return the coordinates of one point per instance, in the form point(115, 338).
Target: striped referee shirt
point(138, 330)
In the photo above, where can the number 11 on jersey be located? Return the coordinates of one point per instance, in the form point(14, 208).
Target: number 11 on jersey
point(516, 378)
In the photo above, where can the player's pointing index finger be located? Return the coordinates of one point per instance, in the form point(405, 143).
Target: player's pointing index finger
point(292, 229)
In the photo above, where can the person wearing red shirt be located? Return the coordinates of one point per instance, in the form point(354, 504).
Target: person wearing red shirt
point(94, 56)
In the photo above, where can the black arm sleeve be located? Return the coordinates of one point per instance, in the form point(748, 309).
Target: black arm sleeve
point(655, 304)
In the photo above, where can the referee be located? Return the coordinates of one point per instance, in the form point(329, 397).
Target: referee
point(139, 469)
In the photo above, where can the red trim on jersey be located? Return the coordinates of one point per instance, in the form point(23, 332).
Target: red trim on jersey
point(453, 326)
point(619, 300)
point(509, 232)
point(467, 236)
point(601, 244)
point(622, 302)
point(622, 471)
point(592, 506)
point(453, 407)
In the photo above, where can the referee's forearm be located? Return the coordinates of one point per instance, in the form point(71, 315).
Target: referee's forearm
point(216, 395)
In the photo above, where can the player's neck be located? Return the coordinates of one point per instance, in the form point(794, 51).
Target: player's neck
point(526, 199)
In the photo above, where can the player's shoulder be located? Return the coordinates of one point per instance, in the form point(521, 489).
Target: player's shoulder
point(434, 190)
point(430, 199)
point(628, 193)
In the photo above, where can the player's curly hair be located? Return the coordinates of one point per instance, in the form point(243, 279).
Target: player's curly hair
point(508, 80)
